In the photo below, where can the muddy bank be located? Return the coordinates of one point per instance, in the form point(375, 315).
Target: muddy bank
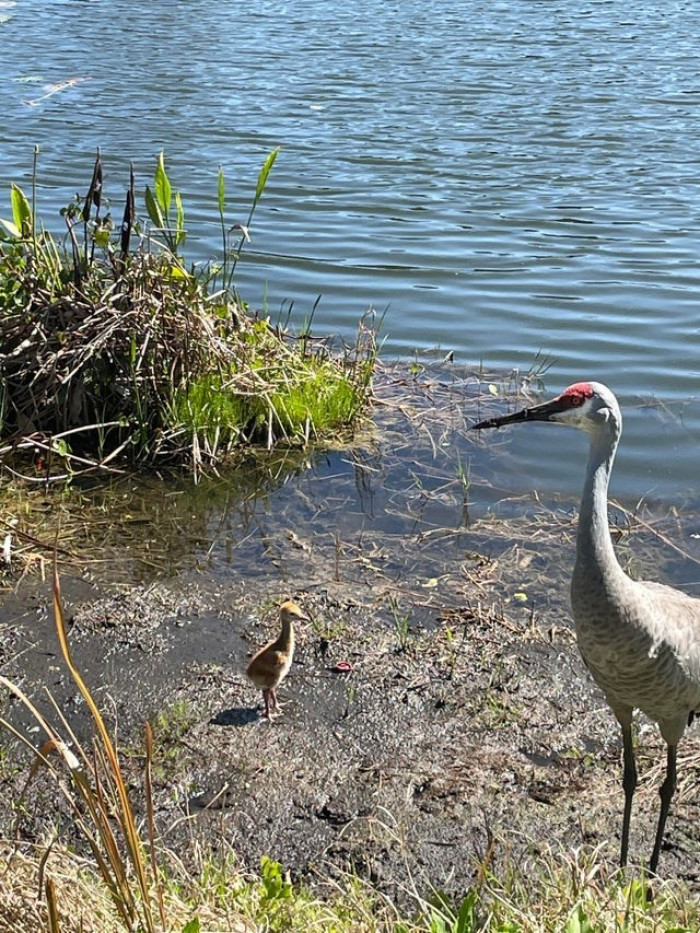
point(467, 710)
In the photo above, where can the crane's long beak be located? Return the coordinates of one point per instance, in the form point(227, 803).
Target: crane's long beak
point(542, 412)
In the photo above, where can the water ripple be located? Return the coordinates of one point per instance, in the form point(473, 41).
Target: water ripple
point(519, 178)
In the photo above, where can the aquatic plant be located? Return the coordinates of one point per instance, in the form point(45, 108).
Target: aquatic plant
point(113, 348)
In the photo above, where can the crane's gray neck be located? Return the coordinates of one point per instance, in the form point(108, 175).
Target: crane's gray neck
point(594, 549)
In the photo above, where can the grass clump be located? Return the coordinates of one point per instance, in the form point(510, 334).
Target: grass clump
point(277, 390)
point(113, 347)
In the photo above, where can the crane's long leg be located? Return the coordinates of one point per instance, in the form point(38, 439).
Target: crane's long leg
point(629, 783)
point(666, 793)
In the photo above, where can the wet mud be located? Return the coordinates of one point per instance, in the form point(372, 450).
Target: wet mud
point(460, 714)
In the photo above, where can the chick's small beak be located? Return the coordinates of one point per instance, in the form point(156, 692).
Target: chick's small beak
point(542, 412)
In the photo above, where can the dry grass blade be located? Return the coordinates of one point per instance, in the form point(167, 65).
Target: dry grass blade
point(111, 869)
point(99, 810)
point(52, 906)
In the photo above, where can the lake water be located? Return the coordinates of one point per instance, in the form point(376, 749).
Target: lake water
point(502, 178)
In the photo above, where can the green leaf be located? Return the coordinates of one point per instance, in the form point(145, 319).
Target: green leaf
point(161, 183)
point(275, 885)
point(264, 172)
point(578, 922)
point(221, 190)
point(437, 923)
point(636, 892)
point(11, 228)
point(101, 237)
point(181, 234)
point(60, 446)
point(153, 208)
point(193, 926)
point(21, 211)
point(466, 916)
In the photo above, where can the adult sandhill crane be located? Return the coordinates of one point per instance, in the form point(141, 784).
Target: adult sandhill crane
point(640, 640)
point(267, 668)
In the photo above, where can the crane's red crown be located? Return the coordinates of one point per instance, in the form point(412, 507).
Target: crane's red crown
point(575, 395)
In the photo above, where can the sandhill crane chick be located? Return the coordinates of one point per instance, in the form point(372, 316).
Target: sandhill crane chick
point(640, 640)
point(270, 665)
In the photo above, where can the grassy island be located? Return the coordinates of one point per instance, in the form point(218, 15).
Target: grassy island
point(115, 348)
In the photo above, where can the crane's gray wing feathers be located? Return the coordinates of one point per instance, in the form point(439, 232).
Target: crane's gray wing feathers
point(641, 642)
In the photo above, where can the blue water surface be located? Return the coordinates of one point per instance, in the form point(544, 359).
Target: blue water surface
point(501, 178)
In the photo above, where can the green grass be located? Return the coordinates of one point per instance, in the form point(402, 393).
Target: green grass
point(168, 755)
point(207, 408)
point(315, 396)
point(402, 627)
point(564, 893)
point(281, 394)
